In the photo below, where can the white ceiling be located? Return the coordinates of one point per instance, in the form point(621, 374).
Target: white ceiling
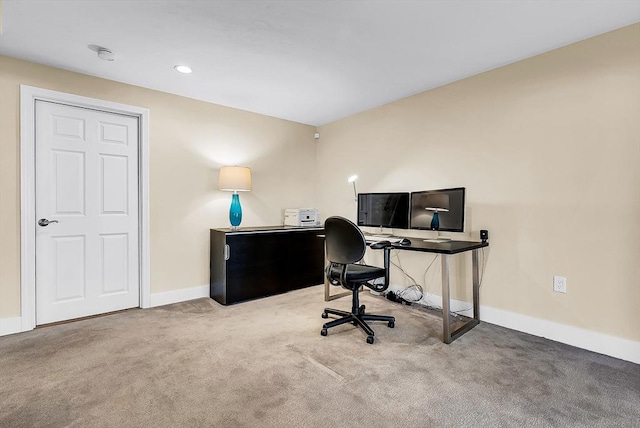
point(309, 61)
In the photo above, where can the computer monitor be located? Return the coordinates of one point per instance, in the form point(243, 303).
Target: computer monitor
point(448, 203)
point(383, 210)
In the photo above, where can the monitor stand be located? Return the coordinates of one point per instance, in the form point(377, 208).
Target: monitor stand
point(438, 238)
point(381, 232)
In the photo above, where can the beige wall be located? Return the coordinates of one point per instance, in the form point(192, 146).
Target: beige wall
point(549, 151)
point(189, 141)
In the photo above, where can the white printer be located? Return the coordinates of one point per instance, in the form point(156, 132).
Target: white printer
point(309, 217)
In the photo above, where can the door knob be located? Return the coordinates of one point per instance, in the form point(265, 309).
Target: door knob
point(44, 222)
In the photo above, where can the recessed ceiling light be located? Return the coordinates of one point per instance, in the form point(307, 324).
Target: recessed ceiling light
point(183, 69)
point(106, 54)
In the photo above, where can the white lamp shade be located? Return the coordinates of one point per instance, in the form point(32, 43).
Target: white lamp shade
point(235, 178)
point(437, 202)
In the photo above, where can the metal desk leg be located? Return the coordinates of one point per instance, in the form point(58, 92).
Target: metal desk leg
point(327, 292)
point(449, 336)
point(476, 285)
point(446, 300)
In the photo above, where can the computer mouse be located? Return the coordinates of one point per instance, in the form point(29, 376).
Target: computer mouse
point(405, 241)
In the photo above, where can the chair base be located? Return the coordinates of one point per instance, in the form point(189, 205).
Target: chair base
point(358, 318)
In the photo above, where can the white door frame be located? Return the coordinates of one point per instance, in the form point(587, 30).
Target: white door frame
point(28, 97)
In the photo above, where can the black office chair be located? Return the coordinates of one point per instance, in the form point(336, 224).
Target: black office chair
point(345, 246)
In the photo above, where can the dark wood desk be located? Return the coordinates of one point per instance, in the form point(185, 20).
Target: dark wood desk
point(446, 249)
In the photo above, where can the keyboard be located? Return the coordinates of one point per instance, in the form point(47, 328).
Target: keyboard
point(378, 238)
point(438, 240)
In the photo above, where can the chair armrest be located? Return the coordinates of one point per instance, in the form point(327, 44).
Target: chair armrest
point(386, 246)
point(380, 245)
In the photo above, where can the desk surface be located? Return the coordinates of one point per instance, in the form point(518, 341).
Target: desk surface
point(445, 247)
point(267, 229)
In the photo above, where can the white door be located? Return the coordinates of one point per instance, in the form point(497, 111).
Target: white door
point(87, 189)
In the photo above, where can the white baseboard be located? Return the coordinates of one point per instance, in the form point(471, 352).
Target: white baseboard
point(14, 325)
point(10, 325)
point(177, 296)
point(601, 343)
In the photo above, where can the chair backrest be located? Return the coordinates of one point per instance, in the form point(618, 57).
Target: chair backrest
point(344, 241)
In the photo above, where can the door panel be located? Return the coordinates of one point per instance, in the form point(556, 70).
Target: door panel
point(70, 127)
point(87, 185)
point(114, 184)
point(69, 274)
point(68, 182)
point(114, 133)
point(115, 263)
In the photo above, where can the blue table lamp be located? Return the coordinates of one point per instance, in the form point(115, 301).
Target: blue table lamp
point(235, 179)
point(437, 203)
point(435, 218)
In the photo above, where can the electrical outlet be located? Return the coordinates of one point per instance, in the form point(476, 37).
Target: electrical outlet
point(559, 284)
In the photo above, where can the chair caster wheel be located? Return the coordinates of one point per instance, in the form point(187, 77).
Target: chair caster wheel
point(369, 339)
point(323, 332)
point(391, 324)
point(325, 315)
point(361, 309)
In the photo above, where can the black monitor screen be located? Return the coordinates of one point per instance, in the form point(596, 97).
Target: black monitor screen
point(449, 203)
point(383, 210)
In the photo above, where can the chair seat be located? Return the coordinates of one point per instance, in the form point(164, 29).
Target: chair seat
point(361, 273)
point(358, 273)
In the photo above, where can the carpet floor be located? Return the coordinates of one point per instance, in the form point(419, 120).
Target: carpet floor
point(264, 364)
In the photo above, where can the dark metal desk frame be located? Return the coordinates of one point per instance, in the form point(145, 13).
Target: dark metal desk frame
point(446, 249)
